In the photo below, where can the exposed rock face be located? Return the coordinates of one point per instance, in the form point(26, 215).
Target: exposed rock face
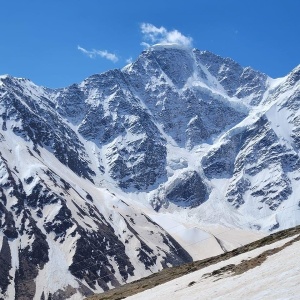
point(185, 129)
point(176, 91)
point(187, 190)
point(27, 112)
point(5, 262)
point(236, 80)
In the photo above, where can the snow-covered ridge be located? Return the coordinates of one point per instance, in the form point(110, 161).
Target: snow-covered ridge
point(169, 46)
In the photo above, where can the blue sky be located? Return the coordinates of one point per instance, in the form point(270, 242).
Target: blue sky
point(56, 43)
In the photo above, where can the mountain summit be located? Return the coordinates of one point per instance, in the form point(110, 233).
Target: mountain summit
point(94, 176)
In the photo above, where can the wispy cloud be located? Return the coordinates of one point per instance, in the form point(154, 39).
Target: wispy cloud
point(102, 53)
point(129, 60)
point(160, 35)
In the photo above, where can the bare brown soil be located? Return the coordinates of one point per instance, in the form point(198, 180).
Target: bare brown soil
point(249, 264)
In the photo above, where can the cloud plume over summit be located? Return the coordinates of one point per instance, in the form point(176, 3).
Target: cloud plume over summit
point(160, 35)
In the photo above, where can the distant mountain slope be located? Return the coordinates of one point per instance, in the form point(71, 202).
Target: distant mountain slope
point(93, 175)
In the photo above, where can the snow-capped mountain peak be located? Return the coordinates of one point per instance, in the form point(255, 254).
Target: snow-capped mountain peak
point(92, 174)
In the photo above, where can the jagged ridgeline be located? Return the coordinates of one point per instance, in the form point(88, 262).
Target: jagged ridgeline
point(84, 169)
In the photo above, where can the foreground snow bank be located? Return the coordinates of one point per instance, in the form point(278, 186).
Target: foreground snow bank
point(277, 277)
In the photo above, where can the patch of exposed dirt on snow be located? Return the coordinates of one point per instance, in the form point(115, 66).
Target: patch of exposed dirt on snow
point(247, 265)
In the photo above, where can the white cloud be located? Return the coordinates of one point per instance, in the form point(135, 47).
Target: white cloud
point(146, 45)
point(129, 60)
point(102, 53)
point(160, 35)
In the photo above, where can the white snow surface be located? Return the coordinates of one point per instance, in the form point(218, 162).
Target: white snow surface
point(206, 241)
point(276, 278)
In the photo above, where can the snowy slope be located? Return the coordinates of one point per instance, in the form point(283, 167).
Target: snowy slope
point(86, 232)
point(178, 156)
point(263, 273)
